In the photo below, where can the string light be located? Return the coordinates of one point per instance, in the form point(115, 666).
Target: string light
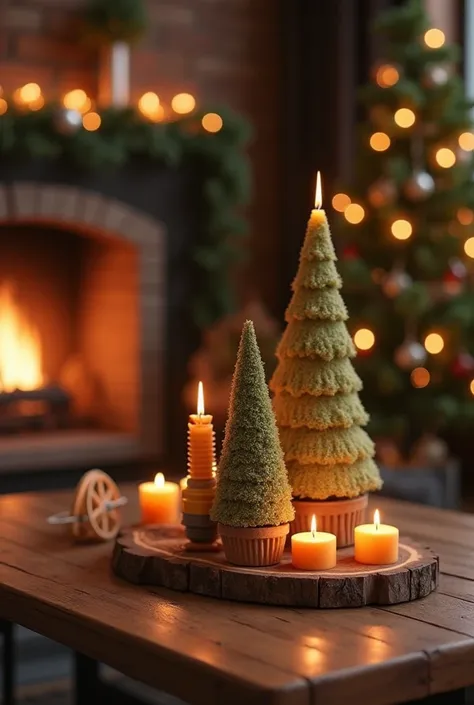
point(469, 247)
point(76, 100)
point(212, 122)
point(340, 201)
point(445, 157)
point(420, 377)
point(465, 216)
point(434, 343)
point(434, 38)
point(466, 141)
point(401, 229)
point(471, 386)
point(183, 103)
point(3, 106)
point(148, 103)
point(364, 339)
point(36, 104)
point(91, 122)
point(29, 93)
point(354, 213)
point(387, 76)
point(380, 141)
point(404, 117)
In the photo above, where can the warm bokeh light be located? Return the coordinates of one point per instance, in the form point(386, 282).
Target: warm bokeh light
point(469, 247)
point(76, 100)
point(434, 38)
point(91, 121)
point(183, 103)
point(3, 106)
point(401, 229)
point(380, 141)
point(318, 194)
point(434, 343)
point(36, 104)
point(364, 339)
point(159, 479)
point(200, 400)
point(465, 216)
point(404, 117)
point(387, 76)
point(340, 201)
point(148, 103)
point(29, 92)
point(445, 157)
point(471, 386)
point(466, 141)
point(212, 122)
point(420, 377)
point(354, 213)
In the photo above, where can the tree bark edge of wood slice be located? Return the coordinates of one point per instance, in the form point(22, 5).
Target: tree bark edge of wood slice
point(156, 556)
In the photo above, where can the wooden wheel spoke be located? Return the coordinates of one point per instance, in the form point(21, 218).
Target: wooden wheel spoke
point(97, 490)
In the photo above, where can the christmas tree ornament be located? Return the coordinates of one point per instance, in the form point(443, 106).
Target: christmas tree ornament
point(453, 279)
point(435, 76)
point(410, 354)
point(463, 365)
point(382, 193)
point(350, 252)
point(419, 186)
point(67, 121)
point(395, 282)
point(252, 504)
point(329, 456)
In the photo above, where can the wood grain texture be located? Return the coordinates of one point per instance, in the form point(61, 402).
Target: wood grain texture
point(210, 652)
point(158, 556)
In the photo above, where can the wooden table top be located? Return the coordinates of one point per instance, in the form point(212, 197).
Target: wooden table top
point(211, 652)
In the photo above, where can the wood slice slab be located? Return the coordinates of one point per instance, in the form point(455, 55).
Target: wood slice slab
point(157, 556)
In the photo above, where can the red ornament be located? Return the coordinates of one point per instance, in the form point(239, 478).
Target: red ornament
point(350, 252)
point(454, 276)
point(463, 365)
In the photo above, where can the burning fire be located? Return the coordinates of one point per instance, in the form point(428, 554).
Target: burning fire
point(20, 348)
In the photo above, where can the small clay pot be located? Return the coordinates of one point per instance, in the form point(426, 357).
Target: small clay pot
point(339, 516)
point(251, 546)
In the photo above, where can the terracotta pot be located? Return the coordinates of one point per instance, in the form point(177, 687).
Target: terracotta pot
point(253, 546)
point(339, 516)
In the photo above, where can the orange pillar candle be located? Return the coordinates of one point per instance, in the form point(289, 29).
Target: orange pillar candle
point(159, 501)
point(376, 544)
point(313, 550)
point(201, 459)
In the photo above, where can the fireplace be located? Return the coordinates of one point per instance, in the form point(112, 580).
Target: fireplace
point(82, 330)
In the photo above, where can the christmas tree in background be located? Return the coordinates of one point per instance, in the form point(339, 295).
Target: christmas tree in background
point(316, 401)
point(409, 235)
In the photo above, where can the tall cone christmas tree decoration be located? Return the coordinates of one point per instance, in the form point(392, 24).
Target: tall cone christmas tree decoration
point(253, 496)
point(328, 454)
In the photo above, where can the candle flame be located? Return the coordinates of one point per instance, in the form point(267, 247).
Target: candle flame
point(159, 479)
point(318, 199)
point(377, 519)
point(314, 526)
point(200, 404)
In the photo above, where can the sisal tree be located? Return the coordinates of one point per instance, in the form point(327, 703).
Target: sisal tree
point(319, 413)
point(407, 244)
point(252, 482)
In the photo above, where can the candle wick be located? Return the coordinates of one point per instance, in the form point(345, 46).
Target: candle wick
point(313, 533)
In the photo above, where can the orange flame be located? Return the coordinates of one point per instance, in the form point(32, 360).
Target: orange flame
point(200, 404)
point(318, 198)
point(20, 347)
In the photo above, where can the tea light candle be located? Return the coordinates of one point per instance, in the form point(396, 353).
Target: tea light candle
point(376, 544)
point(313, 550)
point(159, 501)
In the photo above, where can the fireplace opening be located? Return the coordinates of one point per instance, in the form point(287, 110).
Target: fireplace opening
point(70, 348)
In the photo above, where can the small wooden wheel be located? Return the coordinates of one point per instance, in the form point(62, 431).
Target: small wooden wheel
point(96, 520)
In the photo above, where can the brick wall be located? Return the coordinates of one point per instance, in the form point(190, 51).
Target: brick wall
point(221, 51)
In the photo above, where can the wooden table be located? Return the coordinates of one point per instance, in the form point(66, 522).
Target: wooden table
point(210, 652)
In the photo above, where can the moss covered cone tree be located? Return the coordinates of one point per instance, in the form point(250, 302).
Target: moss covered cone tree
point(319, 413)
point(252, 482)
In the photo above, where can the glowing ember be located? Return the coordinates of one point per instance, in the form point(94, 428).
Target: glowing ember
point(20, 348)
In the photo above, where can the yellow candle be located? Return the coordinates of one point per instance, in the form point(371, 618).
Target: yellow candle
point(201, 442)
point(376, 544)
point(317, 214)
point(159, 501)
point(313, 550)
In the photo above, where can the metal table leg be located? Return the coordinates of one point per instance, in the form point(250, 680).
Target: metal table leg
point(8, 663)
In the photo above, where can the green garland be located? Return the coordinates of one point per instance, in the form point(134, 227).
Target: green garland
point(124, 134)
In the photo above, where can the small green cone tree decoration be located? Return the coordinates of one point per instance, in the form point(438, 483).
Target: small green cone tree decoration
point(328, 454)
point(253, 496)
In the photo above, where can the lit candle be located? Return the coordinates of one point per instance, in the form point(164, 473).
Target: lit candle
point(159, 501)
point(376, 544)
point(200, 442)
point(313, 550)
point(318, 215)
